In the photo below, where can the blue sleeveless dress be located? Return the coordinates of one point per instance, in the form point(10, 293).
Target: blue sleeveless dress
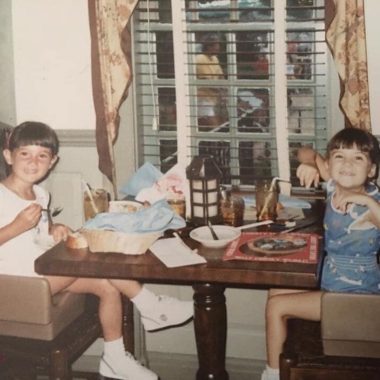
point(351, 245)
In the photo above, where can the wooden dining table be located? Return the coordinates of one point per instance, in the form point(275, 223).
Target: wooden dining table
point(208, 281)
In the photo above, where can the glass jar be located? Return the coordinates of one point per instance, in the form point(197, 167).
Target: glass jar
point(178, 205)
point(266, 200)
point(95, 201)
point(232, 208)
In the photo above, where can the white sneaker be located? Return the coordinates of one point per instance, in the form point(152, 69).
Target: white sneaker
point(167, 312)
point(266, 375)
point(127, 369)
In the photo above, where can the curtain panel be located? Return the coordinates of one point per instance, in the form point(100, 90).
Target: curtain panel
point(111, 73)
point(345, 35)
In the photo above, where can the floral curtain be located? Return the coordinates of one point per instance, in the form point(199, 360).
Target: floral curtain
point(345, 35)
point(111, 73)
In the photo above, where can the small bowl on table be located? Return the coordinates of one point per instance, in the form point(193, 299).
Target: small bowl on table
point(226, 234)
point(124, 206)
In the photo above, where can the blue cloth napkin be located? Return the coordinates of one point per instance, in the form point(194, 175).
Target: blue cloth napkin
point(285, 200)
point(156, 218)
point(144, 177)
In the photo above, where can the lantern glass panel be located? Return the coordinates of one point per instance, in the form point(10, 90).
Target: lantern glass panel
point(204, 176)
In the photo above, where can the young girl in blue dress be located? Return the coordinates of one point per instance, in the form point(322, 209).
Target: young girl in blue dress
point(351, 238)
point(31, 152)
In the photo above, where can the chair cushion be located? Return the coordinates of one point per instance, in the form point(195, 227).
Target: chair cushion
point(28, 310)
point(350, 324)
point(25, 299)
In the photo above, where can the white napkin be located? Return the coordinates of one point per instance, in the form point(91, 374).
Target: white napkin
point(173, 252)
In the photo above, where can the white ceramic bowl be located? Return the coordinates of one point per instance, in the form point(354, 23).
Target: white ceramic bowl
point(226, 235)
point(124, 206)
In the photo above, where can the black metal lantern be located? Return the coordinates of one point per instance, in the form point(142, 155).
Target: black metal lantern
point(204, 179)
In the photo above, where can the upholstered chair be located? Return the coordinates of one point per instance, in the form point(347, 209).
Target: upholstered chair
point(345, 345)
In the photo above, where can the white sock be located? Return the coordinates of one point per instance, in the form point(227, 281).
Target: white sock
point(144, 300)
point(270, 373)
point(114, 348)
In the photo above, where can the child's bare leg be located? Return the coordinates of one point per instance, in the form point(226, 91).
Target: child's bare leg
point(58, 283)
point(110, 308)
point(129, 288)
point(280, 307)
point(115, 363)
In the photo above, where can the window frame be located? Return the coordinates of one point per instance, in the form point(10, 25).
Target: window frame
point(182, 87)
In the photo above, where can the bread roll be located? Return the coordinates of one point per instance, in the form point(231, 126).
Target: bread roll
point(76, 240)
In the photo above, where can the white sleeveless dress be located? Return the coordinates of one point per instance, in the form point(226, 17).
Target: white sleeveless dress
point(18, 254)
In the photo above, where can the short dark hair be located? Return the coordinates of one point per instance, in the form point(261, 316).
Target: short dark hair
point(208, 40)
point(363, 140)
point(33, 133)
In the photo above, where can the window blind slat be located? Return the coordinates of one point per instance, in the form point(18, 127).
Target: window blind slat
point(229, 110)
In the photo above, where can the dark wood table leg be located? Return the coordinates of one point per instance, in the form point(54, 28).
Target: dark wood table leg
point(210, 324)
point(128, 325)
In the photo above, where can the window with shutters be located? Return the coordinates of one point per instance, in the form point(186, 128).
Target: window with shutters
point(242, 80)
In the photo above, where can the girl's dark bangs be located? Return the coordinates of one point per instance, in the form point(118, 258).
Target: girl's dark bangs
point(349, 141)
point(46, 143)
point(34, 136)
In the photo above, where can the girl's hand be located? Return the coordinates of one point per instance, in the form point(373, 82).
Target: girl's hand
point(27, 218)
point(308, 175)
point(59, 232)
point(342, 202)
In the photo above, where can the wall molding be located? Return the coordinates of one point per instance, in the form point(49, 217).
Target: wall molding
point(81, 137)
point(71, 137)
point(76, 137)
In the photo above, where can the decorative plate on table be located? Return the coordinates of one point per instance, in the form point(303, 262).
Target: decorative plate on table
point(263, 246)
point(276, 245)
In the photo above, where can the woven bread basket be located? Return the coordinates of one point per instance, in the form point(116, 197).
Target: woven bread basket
point(113, 241)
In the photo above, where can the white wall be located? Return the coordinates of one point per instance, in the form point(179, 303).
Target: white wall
point(7, 103)
point(52, 70)
point(52, 78)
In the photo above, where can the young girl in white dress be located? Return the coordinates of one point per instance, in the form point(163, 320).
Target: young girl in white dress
point(31, 152)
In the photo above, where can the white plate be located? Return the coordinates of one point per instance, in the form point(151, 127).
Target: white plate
point(124, 206)
point(226, 235)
